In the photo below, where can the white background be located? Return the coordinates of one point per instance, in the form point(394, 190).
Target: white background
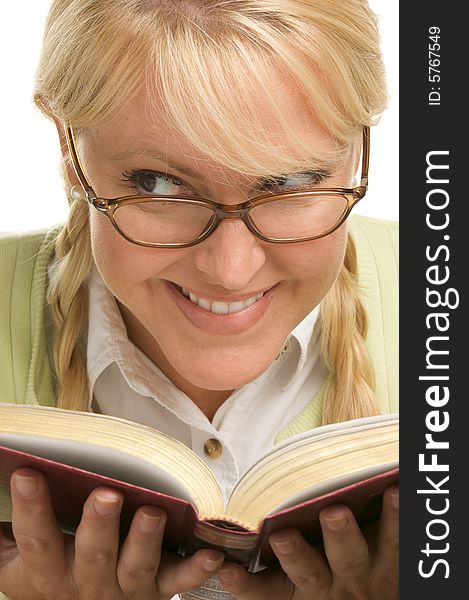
point(31, 193)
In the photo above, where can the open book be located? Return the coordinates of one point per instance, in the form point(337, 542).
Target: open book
point(351, 462)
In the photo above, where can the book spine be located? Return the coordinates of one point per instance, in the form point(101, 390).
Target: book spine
point(238, 545)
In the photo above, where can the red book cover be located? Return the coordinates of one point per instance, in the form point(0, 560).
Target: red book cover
point(70, 486)
point(185, 532)
point(364, 498)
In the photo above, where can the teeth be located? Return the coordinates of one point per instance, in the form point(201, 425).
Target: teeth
point(236, 306)
point(221, 308)
point(204, 303)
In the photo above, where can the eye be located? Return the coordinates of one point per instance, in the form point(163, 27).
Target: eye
point(155, 183)
point(294, 181)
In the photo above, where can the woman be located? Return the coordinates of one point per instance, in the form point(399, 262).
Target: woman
point(205, 282)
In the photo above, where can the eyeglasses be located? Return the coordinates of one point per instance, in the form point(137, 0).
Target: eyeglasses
point(173, 222)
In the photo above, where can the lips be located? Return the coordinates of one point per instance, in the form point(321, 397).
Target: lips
point(218, 316)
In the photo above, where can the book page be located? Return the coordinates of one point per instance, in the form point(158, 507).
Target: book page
point(334, 484)
point(98, 459)
point(312, 435)
point(134, 443)
point(326, 431)
point(318, 457)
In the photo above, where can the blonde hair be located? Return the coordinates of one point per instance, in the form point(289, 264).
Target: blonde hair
point(213, 58)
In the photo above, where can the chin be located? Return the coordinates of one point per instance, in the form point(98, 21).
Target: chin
point(224, 374)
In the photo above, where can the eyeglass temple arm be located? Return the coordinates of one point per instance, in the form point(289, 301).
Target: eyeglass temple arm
point(76, 163)
point(366, 156)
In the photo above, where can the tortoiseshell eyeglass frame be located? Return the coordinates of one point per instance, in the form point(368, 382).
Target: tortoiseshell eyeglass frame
point(108, 206)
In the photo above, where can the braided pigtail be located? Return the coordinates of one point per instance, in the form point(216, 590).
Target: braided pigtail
point(68, 299)
point(349, 394)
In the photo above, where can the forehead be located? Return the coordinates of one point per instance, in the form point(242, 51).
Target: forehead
point(146, 115)
point(274, 143)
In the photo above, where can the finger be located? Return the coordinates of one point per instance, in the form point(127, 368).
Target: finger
point(177, 575)
point(303, 564)
point(303, 571)
point(387, 556)
point(140, 555)
point(97, 539)
point(38, 537)
point(345, 546)
point(272, 583)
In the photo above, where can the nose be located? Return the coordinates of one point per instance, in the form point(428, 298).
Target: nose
point(231, 256)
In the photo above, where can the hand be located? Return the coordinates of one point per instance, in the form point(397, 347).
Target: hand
point(354, 565)
point(38, 561)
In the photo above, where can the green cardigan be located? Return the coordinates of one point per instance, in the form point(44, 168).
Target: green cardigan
point(26, 376)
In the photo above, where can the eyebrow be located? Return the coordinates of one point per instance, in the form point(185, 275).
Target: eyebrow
point(188, 172)
point(155, 155)
point(321, 173)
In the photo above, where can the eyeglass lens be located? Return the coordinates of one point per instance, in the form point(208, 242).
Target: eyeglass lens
point(167, 222)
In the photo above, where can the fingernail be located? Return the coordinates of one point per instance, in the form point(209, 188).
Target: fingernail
point(26, 486)
point(148, 522)
point(211, 565)
point(283, 544)
point(226, 576)
point(105, 504)
point(395, 499)
point(335, 521)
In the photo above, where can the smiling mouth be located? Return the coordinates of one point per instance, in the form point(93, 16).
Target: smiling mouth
point(217, 307)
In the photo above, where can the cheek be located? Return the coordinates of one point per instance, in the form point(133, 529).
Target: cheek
point(122, 265)
point(107, 246)
point(316, 264)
